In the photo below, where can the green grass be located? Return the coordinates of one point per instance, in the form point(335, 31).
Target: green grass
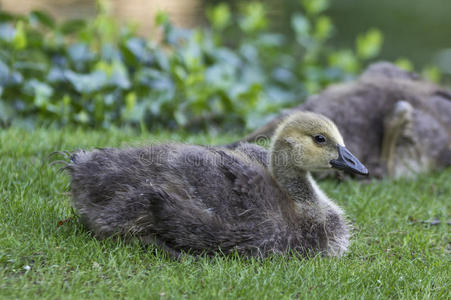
point(393, 253)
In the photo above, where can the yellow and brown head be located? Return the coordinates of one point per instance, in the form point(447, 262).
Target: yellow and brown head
point(312, 142)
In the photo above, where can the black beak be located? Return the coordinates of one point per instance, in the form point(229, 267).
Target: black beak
point(348, 162)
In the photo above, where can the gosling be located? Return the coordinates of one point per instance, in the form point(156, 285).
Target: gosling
point(204, 200)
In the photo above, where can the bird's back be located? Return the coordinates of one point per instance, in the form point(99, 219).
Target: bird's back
point(188, 197)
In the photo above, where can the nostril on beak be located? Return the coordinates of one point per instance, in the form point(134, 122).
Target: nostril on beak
point(347, 161)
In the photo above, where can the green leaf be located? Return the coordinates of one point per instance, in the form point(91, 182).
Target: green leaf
point(120, 77)
point(7, 32)
point(180, 117)
point(405, 64)
point(87, 83)
point(4, 73)
point(315, 7)
point(82, 117)
point(138, 51)
point(369, 44)
point(219, 16)
point(161, 18)
point(80, 55)
point(130, 102)
point(432, 73)
point(301, 26)
point(254, 17)
point(42, 18)
point(72, 26)
point(345, 60)
point(20, 37)
point(105, 28)
point(323, 28)
point(40, 91)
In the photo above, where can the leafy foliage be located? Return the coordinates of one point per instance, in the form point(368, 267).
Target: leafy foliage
point(100, 74)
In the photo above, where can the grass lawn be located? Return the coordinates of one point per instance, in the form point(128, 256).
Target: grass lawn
point(393, 254)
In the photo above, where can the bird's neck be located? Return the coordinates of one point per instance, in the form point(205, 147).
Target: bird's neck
point(296, 183)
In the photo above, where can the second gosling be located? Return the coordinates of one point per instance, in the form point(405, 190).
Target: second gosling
point(204, 200)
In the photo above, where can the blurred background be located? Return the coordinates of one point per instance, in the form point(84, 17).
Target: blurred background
point(194, 63)
point(416, 29)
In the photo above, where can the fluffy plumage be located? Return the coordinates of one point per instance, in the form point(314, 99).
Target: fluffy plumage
point(199, 199)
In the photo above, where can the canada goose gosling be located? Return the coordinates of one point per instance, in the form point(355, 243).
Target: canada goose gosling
point(307, 142)
point(230, 203)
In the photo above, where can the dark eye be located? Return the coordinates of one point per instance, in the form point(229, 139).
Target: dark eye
point(319, 139)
